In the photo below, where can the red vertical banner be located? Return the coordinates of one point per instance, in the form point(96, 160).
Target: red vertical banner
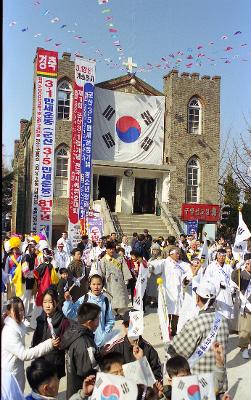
point(44, 141)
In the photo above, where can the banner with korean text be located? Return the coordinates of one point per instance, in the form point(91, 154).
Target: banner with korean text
point(44, 141)
point(81, 150)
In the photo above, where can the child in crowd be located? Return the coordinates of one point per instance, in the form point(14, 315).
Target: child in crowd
point(178, 366)
point(131, 348)
point(82, 351)
point(95, 295)
point(51, 323)
point(77, 270)
point(14, 352)
point(112, 363)
point(63, 286)
point(43, 380)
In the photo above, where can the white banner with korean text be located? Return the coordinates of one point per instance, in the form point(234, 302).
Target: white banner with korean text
point(44, 141)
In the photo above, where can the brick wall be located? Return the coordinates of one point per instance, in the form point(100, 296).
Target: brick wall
point(181, 145)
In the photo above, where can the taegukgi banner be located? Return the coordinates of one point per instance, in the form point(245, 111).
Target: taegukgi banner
point(44, 141)
point(81, 150)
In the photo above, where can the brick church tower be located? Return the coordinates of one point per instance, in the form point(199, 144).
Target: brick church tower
point(192, 141)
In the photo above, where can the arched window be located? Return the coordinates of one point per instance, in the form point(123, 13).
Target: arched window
point(194, 116)
point(64, 100)
point(61, 174)
point(193, 181)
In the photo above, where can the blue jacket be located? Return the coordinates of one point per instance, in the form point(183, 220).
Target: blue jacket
point(106, 319)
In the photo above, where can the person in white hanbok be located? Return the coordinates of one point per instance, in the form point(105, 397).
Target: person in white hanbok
point(172, 272)
point(191, 281)
point(66, 242)
point(219, 273)
point(61, 258)
point(96, 253)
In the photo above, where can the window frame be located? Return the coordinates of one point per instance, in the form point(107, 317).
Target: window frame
point(64, 81)
point(61, 180)
point(195, 180)
point(191, 121)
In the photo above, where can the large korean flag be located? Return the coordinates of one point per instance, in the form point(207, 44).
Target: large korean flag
point(128, 127)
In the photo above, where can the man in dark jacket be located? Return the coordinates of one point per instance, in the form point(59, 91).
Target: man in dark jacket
point(125, 346)
point(78, 340)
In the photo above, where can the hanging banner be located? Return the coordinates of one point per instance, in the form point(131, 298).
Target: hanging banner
point(200, 212)
point(88, 77)
point(82, 122)
point(192, 228)
point(44, 141)
point(95, 228)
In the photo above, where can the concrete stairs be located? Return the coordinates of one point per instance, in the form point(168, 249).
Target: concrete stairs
point(127, 224)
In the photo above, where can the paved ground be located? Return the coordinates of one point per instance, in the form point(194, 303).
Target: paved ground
point(239, 370)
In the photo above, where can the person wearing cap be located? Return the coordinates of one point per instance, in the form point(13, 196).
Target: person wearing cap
point(219, 273)
point(172, 272)
point(132, 350)
point(62, 259)
point(243, 280)
point(197, 331)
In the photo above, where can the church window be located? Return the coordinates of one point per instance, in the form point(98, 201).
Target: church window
point(193, 181)
point(61, 174)
point(64, 100)
point(194, 116)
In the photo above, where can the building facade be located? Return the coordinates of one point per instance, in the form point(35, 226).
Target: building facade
point(190, 168)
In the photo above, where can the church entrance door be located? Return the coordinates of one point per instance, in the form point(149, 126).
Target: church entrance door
point(107, 189)
point(144, 196)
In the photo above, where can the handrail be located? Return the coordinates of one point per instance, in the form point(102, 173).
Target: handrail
point(106, 212)
point(169, 220)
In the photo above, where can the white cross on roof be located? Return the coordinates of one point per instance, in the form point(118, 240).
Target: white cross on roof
point(130, 65)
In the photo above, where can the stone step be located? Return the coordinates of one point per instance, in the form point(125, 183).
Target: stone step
point(139, 223)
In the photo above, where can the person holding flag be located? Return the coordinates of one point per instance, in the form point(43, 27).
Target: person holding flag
point(172, 273)
point(219, 273)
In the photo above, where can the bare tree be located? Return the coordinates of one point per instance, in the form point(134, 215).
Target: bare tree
point(240, 162)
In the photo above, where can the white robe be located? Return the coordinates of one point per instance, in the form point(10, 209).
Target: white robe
point(189, 309)
point(221, 275)
point(172, 273)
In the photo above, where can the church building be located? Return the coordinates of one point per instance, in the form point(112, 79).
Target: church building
point(179, 166)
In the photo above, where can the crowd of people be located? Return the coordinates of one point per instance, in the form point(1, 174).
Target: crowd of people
point(71, 298)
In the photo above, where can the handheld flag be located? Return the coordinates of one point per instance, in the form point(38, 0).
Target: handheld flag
point(163, 312)
point(242, 234)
